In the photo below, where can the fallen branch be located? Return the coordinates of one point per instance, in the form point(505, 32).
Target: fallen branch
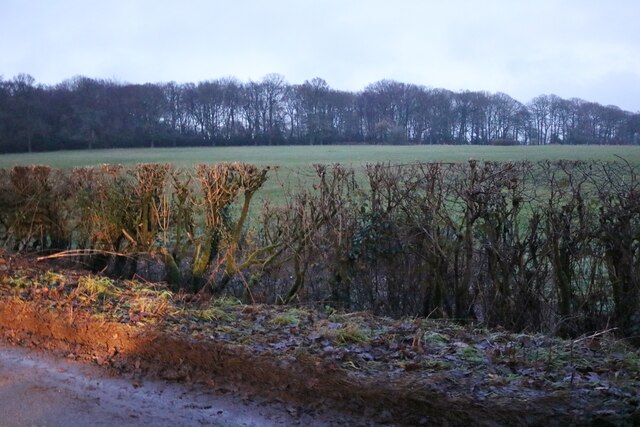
point(80, 252)
point(597, 334)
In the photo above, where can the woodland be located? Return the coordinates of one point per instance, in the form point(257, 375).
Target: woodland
point(85, 113)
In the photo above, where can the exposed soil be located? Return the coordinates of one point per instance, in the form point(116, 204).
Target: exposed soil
point(39, 389)
point(411, 371)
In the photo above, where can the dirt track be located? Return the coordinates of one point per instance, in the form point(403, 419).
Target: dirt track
point(37, 389)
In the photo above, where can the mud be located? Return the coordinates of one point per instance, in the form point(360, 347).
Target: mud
point(144, 352)
point(38, 389)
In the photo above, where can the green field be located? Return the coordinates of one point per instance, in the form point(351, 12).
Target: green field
point(302, 156)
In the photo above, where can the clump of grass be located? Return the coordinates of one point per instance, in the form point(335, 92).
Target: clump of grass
point(434, 337)
point(140, 290)
point(351, 333)
point(226, 301)
point(99, 288)
point(345, 328)
point(19, 282)
point(212, 313)
point(470, 354)
point(150, 305)
point(217, 310)
point(51, 278)
point(165, 295)
point(291, 317)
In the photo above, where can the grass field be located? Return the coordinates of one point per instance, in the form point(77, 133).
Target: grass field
point(295, 161)
point(303, 156)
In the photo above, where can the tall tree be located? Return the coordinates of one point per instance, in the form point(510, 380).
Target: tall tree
point(540, 108)
point(26, 105)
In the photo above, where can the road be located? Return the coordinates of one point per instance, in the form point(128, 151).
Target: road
point(37, 389)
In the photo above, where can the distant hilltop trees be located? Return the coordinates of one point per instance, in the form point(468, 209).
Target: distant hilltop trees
point(90, 113)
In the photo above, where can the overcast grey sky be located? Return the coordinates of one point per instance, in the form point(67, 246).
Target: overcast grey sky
point(588, 49)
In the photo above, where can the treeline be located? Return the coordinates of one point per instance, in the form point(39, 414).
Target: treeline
point(550, 246)
point(90, 113)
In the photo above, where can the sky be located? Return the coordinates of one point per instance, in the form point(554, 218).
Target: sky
point(588, 49)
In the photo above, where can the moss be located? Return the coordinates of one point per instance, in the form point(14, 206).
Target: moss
point(174, 278)
point(201, 262)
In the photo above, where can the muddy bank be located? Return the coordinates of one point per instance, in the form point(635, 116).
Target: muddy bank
point(40, 389)
point(407, 371)
point(148, 353)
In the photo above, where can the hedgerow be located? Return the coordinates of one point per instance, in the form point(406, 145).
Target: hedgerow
point(549, 246)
